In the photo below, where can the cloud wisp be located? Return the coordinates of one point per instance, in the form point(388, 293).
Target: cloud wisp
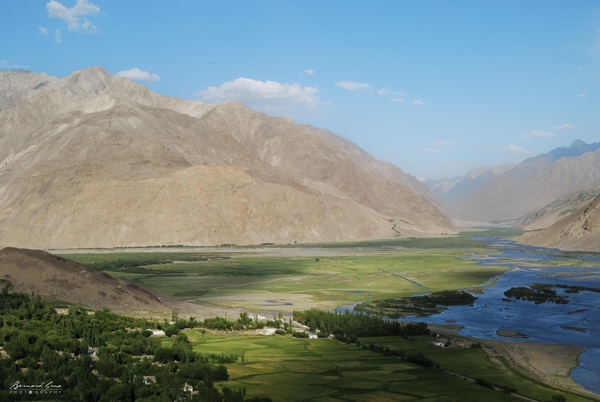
point(270, 93)
point(565, 126)
point(418, 102)
point(309, 72)
point(444, 143)
point(385, 91)
point(43, 31)
point(140, 75)
point(74, 16)
point(539, 134)
point(354, 86)
point(512, 149)
point(516, 150)
point(5, 65)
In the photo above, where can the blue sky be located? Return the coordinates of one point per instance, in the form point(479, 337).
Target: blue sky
point(435, 87)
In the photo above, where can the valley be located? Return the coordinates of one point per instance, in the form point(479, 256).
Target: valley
point(217, 226)
point(272, 280)
point(299, 201)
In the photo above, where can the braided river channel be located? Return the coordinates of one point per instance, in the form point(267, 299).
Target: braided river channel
point(575, 323)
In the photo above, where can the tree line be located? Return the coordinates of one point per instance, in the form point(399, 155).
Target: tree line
point(100, 356)
point(353, 326)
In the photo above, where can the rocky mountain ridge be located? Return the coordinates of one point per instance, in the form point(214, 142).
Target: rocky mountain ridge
point(533, 184)
point(457, 188)
point(558, 209)
point(577, 231)
point(93, 160)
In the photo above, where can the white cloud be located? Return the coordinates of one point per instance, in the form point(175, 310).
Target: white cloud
point(43, 31)
point(384, 91)
point(73, 16)
point(5, 64)
point(580, 96)
point(417, 102)
point(396, 100)
point(264, 92)
point(137, 74)
point(309, 72)
point(516, 150)
point(58, 36)
point(444, 143)
point(354, 86)
point(580, 69)
point(432, 150)
point(539, 134)
point(564, 127)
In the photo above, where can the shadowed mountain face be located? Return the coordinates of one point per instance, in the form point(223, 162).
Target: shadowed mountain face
point(52, 277)
point(92, 160)
point(558, 209)
point(577, 231)
point(533, 184)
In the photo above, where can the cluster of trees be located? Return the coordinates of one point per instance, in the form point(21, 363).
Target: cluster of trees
point(129, 261)
point(244, 322)
point(418, 358)
point(353, 326)
point(538, 293)
point(100, 356)
point(445, 298)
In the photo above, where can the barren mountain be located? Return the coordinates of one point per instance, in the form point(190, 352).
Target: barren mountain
point(578, 231)
point(457, 188)
point(92, 160)
point(533, 184)
point(558, 209)
point(52, 277)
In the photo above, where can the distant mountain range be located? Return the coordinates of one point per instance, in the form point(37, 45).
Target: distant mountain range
point(93, 160)
point(457, 188)
point(532, 184)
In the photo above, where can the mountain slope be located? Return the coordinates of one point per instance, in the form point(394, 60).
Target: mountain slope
point(557, 209)
point(578, 231)
point(108, 163)
point(457, 188)
point(53, 277)
point(533, 184)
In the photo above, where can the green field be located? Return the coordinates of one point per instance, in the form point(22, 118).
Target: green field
point(472, 363)
point(326, 276)
point(259, 283)
point(290, 369)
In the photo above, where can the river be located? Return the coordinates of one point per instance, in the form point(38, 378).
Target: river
point(575, 323)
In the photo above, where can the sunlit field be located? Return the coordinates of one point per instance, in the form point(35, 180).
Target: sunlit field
point(260, 283)
point(290, 369)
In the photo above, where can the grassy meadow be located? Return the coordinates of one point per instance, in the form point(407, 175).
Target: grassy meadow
point(291, 369)
point(298, 277)
point(284, 283)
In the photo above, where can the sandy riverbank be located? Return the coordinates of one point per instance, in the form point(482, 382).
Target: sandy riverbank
point(550, 364)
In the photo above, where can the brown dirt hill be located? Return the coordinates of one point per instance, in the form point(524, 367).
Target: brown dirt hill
point(108, 163)
point(53, 277)
point(578, 231)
